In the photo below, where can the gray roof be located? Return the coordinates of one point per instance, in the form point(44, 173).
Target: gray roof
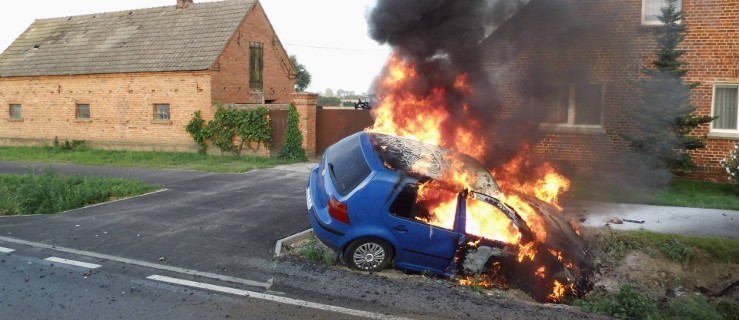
point(143, 40)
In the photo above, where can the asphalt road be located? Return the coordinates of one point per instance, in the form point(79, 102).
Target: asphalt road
point(214, 234)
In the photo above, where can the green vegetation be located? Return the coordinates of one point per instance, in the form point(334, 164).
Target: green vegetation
point(231, 130)
point(49, 192)
point(293, 147)
point(314, 251)
point(140, 159)
point(302, 77)
point(628, 303)
point(664, 117)
point(681, 193)
point(680, 248)
point(329, 101)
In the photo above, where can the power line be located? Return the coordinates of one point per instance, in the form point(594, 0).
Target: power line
point(333, 48)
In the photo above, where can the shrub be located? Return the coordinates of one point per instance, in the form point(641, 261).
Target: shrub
point(731, 164)
point(293, 147)
point(68, 145)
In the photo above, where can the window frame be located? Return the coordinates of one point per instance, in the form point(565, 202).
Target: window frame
point(11, 114)
point(157, 114)
point(714, 131)
point(646, 22)
point(78, 107)
point(572, 108)
point(415, 207)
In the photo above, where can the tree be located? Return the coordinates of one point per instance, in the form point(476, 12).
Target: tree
point(293, 147)
point(303, 77)
point(664, 116)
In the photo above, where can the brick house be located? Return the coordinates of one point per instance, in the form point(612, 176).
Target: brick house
point(132, 79)
point(571, 62)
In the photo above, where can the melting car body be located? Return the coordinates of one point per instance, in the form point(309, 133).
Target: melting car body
point(367, 200)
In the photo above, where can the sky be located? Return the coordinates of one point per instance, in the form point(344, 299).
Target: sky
point(329, 37)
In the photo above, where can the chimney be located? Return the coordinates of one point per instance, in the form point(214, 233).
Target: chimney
point(181, 4)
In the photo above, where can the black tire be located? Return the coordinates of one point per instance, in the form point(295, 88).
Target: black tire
point(368, 254)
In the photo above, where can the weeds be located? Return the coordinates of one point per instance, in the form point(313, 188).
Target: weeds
point(628, 303)
point(695, 307)
point(677, 251)
point(314, 251)
point(47, 192)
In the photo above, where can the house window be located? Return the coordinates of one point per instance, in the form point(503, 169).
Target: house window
point(652, 10)
point(15, 111)
point(82, 111)
point(161, 112)
point(572, 104)
point(256, 65)
point(725, 106)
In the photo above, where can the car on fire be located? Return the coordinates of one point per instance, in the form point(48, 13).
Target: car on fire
point(370, 197)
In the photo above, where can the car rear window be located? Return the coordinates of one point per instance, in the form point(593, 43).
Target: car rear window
point(347, 165)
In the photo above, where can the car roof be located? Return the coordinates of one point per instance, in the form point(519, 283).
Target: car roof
point(427, 161)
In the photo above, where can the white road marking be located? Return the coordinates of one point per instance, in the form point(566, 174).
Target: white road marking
point(6, 250)
point(265, 285)
point(268, 297)
point(74, 263)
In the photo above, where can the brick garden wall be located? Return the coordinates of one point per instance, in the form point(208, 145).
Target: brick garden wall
point(121, 109)
point(231, 77)
point(605, 41)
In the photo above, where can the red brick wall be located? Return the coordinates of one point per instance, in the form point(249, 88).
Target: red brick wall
point(231, 77)
point(121, 109)
point(608, 38)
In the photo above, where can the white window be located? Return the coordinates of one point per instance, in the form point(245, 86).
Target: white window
point(15, 111)
point(725, 106)
point(575, 105)
point(161, 112)
point(652, 9)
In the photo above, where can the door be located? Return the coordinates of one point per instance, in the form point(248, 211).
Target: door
point(423, 223)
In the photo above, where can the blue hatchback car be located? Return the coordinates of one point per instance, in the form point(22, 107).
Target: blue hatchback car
point(363, 201)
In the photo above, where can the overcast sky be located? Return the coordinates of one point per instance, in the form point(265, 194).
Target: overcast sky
point(328, 36)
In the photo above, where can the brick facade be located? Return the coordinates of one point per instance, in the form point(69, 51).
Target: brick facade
point(122, 105)
point(231, 74)
point(604, 42)
point(121, 109)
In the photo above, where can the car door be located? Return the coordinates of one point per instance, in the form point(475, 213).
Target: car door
point(426, 243)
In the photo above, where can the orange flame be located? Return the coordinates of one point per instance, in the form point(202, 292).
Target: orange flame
point(426, 117)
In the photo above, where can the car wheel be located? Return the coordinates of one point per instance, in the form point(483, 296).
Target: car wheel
point(368, 254)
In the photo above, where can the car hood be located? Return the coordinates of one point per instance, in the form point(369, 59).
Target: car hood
point(427, 161)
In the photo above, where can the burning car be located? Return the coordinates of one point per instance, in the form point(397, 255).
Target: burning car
point(380, 200)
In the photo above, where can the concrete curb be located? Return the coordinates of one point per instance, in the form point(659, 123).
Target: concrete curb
point(290, 240)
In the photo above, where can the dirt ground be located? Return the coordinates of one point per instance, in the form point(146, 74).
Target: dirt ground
point(652, 273)
point(659, 276)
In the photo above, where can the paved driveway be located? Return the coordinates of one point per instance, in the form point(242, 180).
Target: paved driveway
point(224, 223)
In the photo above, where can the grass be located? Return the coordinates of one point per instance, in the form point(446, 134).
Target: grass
point(629, 303)
point(47, 191)
point(680, 248)
point(168, 160)
point(681, 193)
